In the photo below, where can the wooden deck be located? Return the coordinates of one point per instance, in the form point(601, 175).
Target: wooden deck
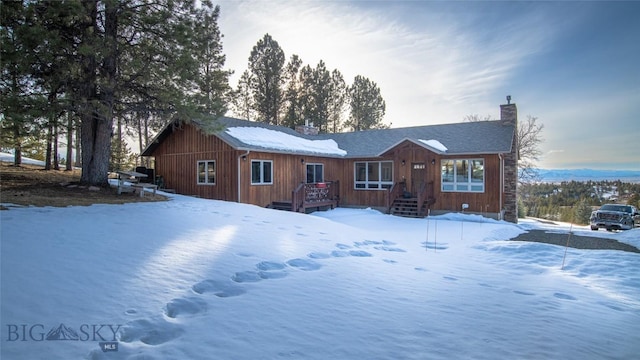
point(309, 196)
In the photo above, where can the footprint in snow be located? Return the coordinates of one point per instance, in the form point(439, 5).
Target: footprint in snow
point(270, 265)
point(360, 253)
point(271, 270)
point(318, 255)
point(564, 296)
point(339, 253)
point(244, 254)
point(185, 306)
point(150, 332)
point(450, 278)
point(272, 274)
point(519, 292)
point(343, 246)
point(389, 248)
point(436, 246)
point(367, 243)
point(420, 269)
point(390, 261)
point(246, 276)
point(612, 306)
point(304, 264)
point(221, 289)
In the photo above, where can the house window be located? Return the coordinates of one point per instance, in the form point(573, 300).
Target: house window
point(315, 173)
point(373, 174)
point(261, 172)
point(206, 172)
point(462, 175)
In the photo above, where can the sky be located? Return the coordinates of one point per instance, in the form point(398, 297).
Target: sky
point(192, 278)
point(573, 65)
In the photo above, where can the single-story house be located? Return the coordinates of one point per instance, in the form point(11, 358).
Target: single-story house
point(412, 171)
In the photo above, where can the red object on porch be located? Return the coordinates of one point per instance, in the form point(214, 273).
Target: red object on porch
point(321, 185)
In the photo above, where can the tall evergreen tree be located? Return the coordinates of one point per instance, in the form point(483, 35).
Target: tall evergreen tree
point(316, 84)
point(211, 79)
point(163, 57)
point(367, 105)
point(292, 93)
point(242, 99)
point(337, 102)
point(266, 64)
point(16, 82)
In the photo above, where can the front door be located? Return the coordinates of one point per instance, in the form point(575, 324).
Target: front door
point(418, 177)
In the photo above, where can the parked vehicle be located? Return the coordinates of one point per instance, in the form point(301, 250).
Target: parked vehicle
point(614, 217)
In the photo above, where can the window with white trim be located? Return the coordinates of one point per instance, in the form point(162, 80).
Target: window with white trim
point(261, 172)
point(315, 173)
point(206, 172)
point(374, 175)
point(462, 175)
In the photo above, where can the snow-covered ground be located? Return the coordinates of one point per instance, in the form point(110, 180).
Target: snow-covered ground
point(7, 157)
point(200, 279)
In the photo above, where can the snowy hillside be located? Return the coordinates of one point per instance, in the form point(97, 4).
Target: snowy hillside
point(201, 279)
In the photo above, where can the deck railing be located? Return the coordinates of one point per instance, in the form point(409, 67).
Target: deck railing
point(395, 192)
point(315, 194)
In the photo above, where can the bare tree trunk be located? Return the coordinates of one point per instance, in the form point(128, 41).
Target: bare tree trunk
point(96, 146)
point(56, 163)
point(146, 139)
point(69, 164)
point(119, 150)
point(78, 157)
point(47, 157)
point(17, 149)
point(97, 110)
point(139, 121)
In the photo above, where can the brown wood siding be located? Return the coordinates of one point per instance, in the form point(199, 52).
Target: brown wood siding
point(485, 202)
point(177, 157)
point(409, 152)
point(288, 172)
point(350, 196)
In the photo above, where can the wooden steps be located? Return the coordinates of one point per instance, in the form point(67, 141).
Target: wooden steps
point(407, 207)
point(280, 205)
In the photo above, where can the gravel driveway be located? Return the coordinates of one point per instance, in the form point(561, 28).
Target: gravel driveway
point(576, 241)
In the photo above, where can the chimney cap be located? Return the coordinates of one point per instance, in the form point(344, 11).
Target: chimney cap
point(508, 99)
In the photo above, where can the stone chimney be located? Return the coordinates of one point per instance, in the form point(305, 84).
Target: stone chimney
point(509, 116)
point(509, 112)
point(307, 129)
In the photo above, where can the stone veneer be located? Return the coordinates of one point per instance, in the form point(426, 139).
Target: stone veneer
point(509, 115)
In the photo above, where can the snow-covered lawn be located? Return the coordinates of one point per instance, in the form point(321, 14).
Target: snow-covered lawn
point(201, 279)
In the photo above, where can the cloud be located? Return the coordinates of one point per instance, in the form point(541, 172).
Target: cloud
point(431, 64)
point(550, 152)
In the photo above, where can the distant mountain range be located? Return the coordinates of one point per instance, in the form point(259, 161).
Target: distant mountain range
point(559, 175)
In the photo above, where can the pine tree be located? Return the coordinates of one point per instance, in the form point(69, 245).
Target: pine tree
point(367, 105)
point(582, 213)
point(337, 102)
point(292, 94)
point(266, 64)
point(110, 59)
point(316, 85)
point(242, 97)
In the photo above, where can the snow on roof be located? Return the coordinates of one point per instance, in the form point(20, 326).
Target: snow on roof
point(435, 144)
point(273, 139)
